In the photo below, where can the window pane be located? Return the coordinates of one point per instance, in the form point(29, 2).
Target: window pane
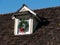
point(23, 26)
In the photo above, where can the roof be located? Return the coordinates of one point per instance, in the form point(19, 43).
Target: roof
point(45, 34)
point(26, 8)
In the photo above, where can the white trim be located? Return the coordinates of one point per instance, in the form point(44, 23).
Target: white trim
point(13, 17)
point(30, 21)
point(27, 9)
point(31, 25)
point(15, 26)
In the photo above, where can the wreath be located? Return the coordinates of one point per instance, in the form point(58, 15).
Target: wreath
point(23, 26)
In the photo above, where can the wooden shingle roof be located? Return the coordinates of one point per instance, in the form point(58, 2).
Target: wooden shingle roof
point(47, 32)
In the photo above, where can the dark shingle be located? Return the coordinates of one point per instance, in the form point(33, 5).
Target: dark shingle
point(45, 35)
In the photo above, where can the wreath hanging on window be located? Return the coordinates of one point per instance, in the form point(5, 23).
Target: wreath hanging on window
point(23, 26)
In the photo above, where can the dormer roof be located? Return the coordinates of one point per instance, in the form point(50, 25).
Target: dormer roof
point(25, 8)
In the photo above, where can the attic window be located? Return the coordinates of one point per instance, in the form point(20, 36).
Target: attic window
point(24, 21)
point(23, 27)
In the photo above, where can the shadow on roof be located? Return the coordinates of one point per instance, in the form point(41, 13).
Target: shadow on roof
point(43, 22)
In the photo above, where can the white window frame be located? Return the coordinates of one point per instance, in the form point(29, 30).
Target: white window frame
point(30, 21)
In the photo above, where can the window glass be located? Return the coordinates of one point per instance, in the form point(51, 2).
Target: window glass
point(23, 26)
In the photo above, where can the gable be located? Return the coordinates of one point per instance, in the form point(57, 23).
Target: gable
point(25, 8)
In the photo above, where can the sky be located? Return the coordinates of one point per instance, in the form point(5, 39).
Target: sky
point(9, 6)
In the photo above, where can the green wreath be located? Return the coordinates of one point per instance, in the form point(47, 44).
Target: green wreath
point(21, 25)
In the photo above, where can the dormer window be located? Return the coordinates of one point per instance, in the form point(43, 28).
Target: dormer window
point(25, 21)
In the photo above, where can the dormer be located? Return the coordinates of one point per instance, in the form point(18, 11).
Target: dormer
point(25, 21)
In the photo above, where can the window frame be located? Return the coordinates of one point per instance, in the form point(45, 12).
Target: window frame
point(30, 31)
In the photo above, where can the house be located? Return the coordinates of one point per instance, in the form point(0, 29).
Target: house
point(26, 21)
point(45, 35)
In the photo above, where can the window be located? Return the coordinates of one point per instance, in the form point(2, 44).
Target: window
point(23, 27)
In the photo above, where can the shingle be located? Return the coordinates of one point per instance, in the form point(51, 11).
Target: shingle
point(45, 35)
